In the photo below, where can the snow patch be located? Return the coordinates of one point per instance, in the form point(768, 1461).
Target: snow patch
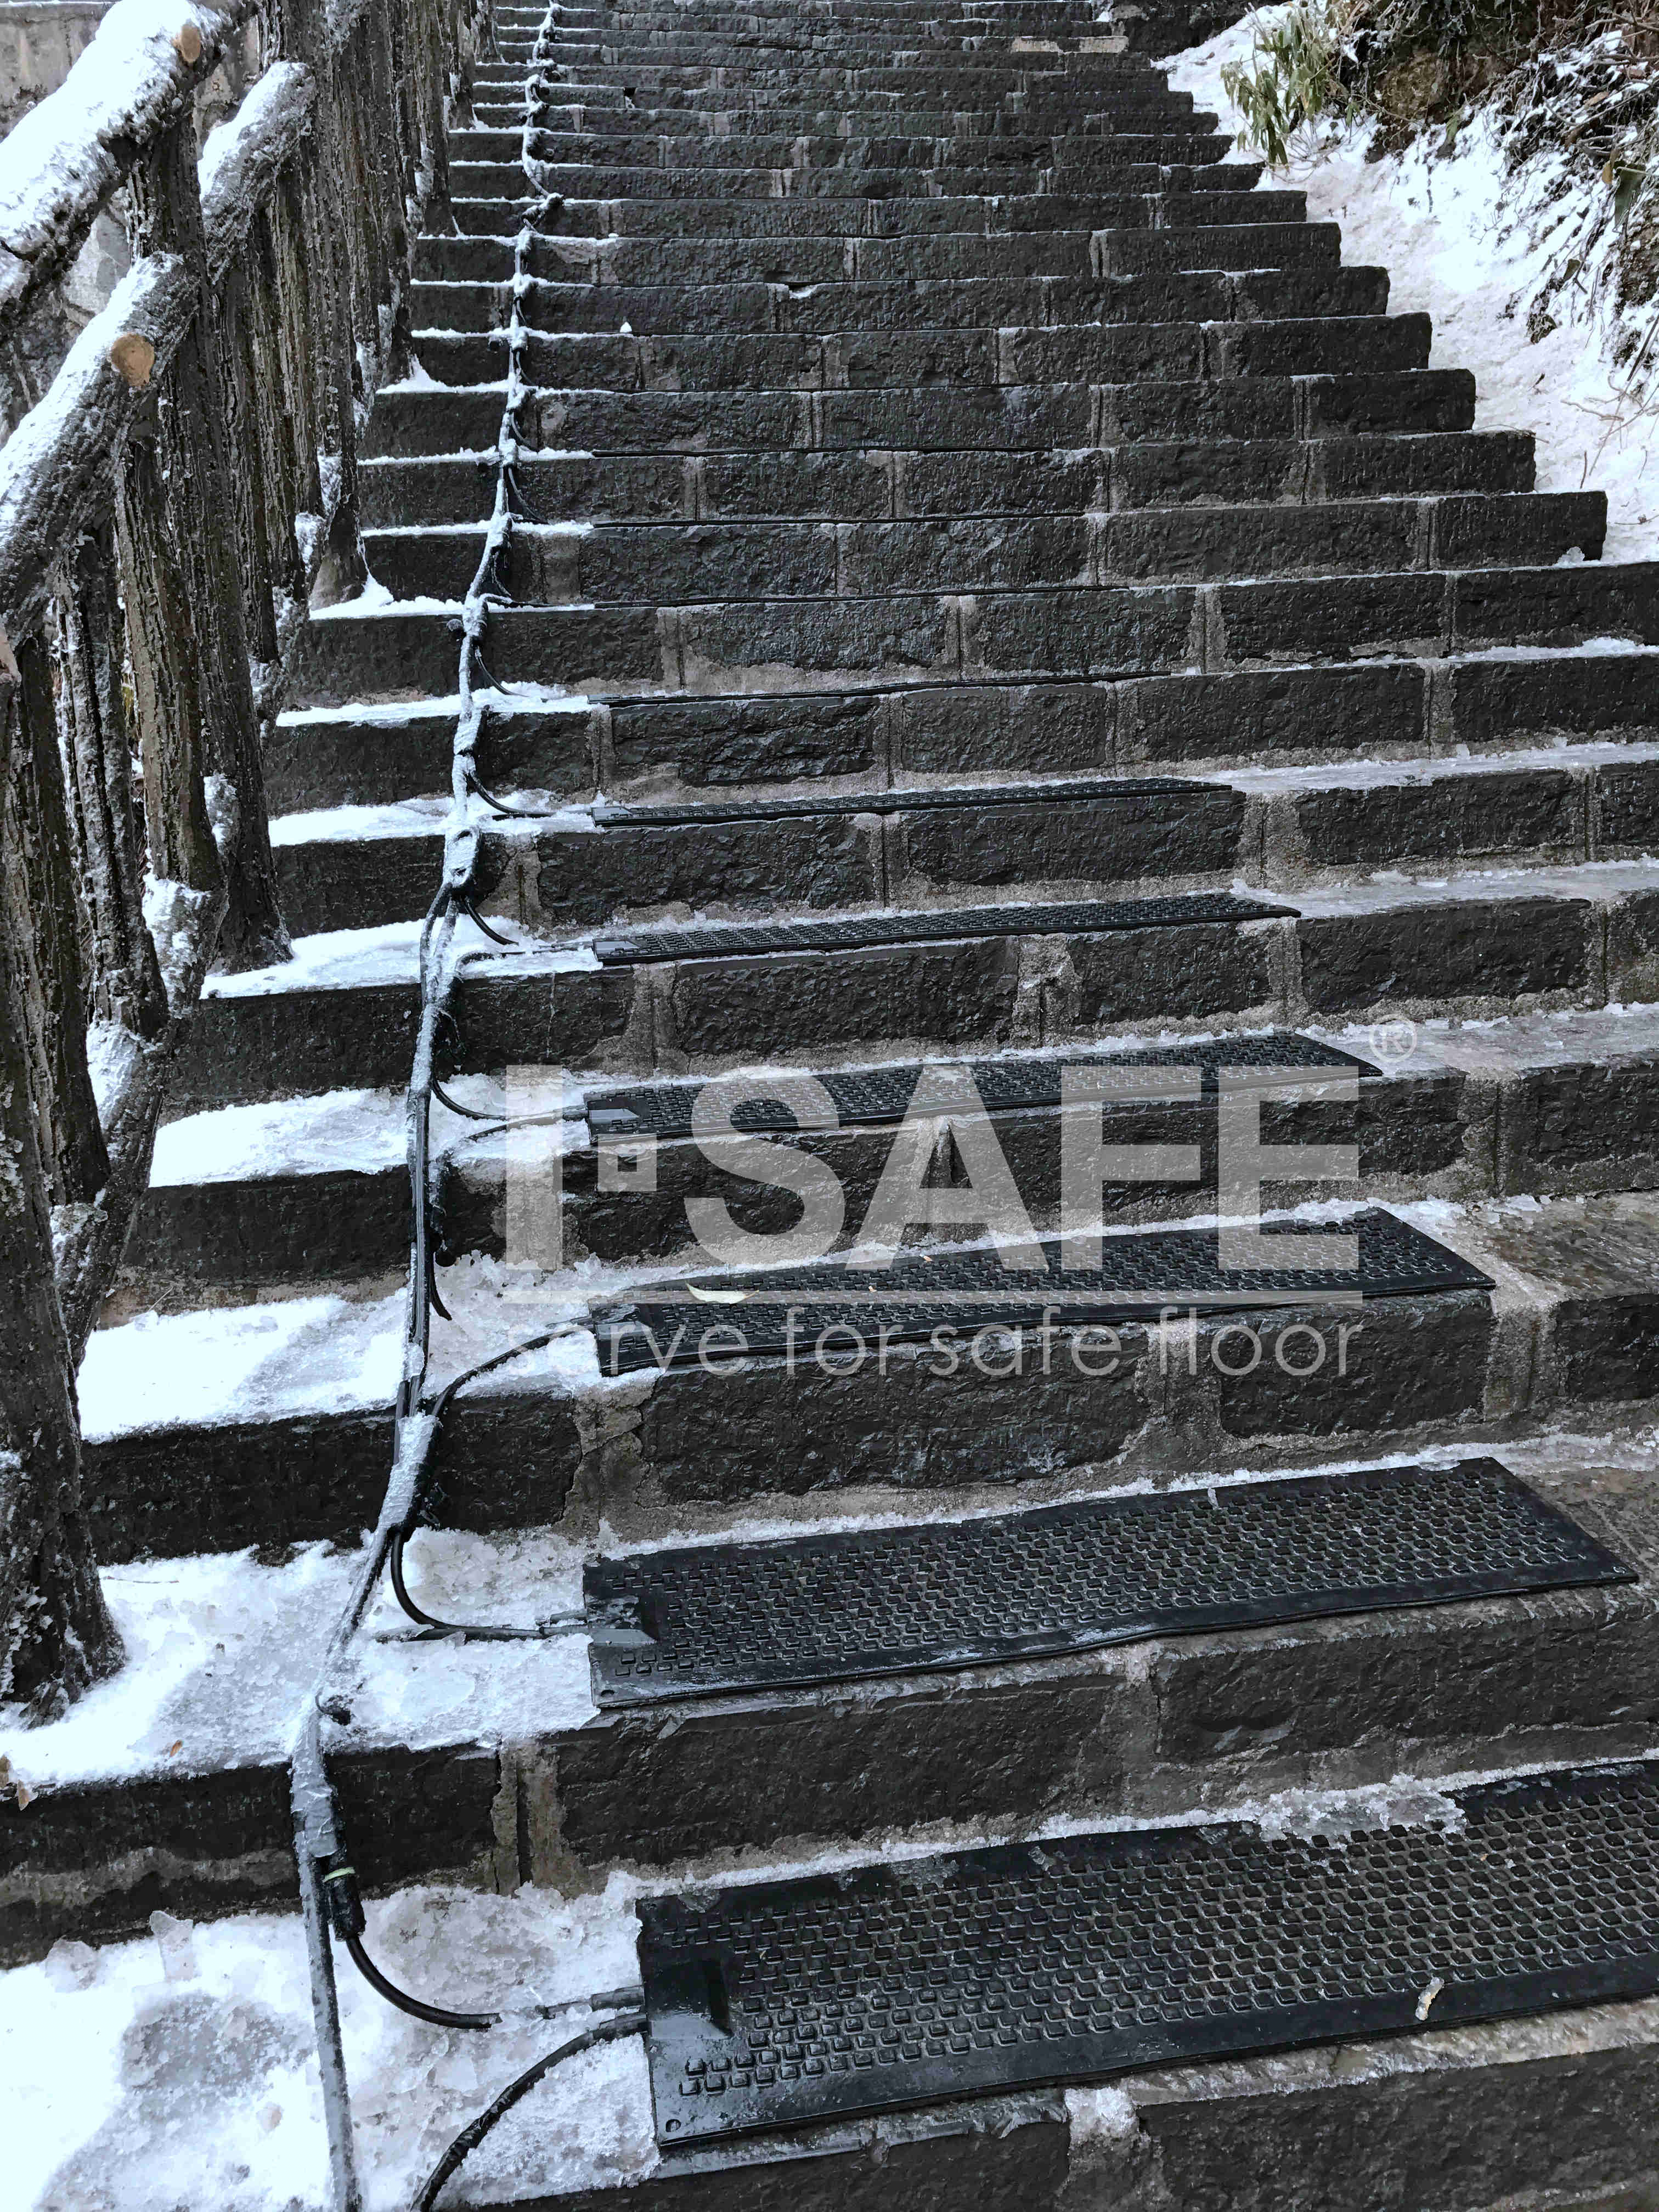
point(1464, 238)
point(363, 1130)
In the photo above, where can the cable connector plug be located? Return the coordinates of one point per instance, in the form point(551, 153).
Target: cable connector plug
point(344, 1900)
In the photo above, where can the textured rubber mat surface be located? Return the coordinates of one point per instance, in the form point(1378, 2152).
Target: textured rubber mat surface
point(718, 940)
point(823, 1308)
point(728, 1616)
point(867, 1095)
point(782, 2003)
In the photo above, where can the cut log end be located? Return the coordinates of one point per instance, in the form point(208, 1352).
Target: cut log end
point(133, 357)
point(187, 44)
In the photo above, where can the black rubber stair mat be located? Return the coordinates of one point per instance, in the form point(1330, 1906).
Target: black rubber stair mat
point(722, 1618)
point(1092, 790)
point(717, 940)
point(829, 1311)
point(782, 2003)
point(878, 1095)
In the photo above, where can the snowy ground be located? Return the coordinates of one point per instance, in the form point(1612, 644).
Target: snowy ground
point(111, 2058)
point(1459, 238)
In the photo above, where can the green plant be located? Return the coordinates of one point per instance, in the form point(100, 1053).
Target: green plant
point(1290, 79)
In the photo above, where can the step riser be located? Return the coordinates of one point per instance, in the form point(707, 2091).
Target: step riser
point(814, 865)
point(100, 1859)
point(953, 74)
point(1185, 139)
point(986, 417)
point(626, 270)
point(1073, 179)
point(502, 215)
point(603, 112)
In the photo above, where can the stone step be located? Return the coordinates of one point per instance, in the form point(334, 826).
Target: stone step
point(1313, 284)
point(701, 264)
point(416, 419)
point(1172, 1722)
point(569, 104)
point(1051, 100)
point(753, 858)
point(1383, 709)
point(1166, 1725)
point(953, 75)
point(1084, 170)
point(922, 22)
point(928, 18)
point(369, 649)
point(874, 483)
point(1210, 196)
point(1468, 946)
point(768, 59)
point(315, 1191)
point(1092, 353)
point(1185, 138)
point(685, 561)
point(1283, 829)
point(175, 1466)
point(947, 37)
point(605, 110)
point(881, 149)
point(1553, 2106)
point(957, 80)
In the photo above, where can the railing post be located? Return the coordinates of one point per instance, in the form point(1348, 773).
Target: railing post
point(166, 685)
point(56, 1635)
point(298, 31)
point(42, 891)
point(125, 982)
point(165, 216)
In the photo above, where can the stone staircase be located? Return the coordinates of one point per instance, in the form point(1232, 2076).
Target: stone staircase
point(950, 483)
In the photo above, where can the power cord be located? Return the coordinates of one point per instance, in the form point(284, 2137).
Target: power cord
point(348, 1922)
point(608, 2031)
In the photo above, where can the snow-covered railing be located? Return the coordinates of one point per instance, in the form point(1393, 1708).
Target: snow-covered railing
point(183, 491)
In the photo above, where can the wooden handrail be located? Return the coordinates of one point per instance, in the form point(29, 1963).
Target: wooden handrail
point(185, 485)
point(66, 158)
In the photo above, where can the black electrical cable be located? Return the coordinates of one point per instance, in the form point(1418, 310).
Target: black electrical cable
point(561, 1623)
point(345, 1911)
point(417, 2007)
point(608, 2031)
point(473, 914)
point(466, 1113)
point(511, 813)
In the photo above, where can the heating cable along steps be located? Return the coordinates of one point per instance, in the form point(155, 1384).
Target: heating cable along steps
point(995, 593)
